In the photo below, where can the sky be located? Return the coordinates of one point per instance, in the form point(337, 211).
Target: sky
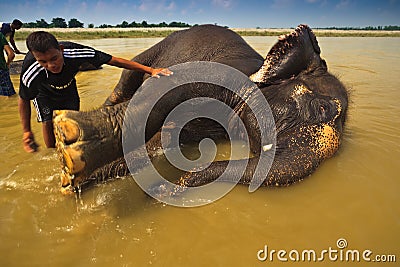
point(231, 13)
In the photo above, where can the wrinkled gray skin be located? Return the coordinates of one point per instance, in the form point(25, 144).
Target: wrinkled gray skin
point(308, 104)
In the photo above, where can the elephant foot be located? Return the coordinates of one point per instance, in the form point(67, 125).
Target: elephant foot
point(85, 141)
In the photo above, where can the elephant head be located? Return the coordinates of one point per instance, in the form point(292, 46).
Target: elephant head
point(309, 106)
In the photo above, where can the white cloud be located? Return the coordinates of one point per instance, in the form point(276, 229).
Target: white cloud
point(144, 6)
point(171, 6)
point(321, 2)
point(45, 2)
point(84, 6)
point(101, 6)
point(222, 3)
point(343, 4)
point(280, 4)
point(147, 5)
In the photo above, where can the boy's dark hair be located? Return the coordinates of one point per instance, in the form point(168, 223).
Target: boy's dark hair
point(41, 41)
point(17, 23)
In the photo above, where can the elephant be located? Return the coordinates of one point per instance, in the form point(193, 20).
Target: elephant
point(308, 104)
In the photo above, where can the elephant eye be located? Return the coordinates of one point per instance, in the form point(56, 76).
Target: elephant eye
point(321, 109)
point(324, 110)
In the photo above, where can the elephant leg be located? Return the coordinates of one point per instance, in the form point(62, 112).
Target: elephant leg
point(306, 148)
point(277, 176)
point(87, 140)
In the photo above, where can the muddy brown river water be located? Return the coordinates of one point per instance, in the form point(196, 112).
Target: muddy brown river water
point(346, 213)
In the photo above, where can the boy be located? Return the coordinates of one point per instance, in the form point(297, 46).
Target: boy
point(48, 78)
point(8, 29)
point(6, 86)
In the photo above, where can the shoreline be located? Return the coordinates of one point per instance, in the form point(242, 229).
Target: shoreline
point(99, 33)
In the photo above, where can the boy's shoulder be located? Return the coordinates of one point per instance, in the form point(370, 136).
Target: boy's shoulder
point(72, 45)
point(75, 50)
point(31, 70)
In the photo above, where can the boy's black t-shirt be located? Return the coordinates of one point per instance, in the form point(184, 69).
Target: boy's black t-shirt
point(36, 81)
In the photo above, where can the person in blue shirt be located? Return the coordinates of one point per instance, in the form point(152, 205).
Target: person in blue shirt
point(8, 30)
point(6, 86)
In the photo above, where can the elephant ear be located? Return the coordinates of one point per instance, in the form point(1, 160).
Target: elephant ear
point(292, 54)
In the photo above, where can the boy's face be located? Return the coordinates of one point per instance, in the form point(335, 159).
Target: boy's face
point(52, 60)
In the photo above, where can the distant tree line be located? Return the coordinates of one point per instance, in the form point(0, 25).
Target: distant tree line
point(55, 23)
point(144, 24)
point(368, 28)
point(74, 23)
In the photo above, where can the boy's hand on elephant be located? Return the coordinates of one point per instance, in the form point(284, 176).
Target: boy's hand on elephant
point(29, 142)
point(161, 71)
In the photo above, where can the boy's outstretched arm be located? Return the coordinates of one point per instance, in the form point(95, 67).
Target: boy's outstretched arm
point(132, 65)
point(12, 42)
